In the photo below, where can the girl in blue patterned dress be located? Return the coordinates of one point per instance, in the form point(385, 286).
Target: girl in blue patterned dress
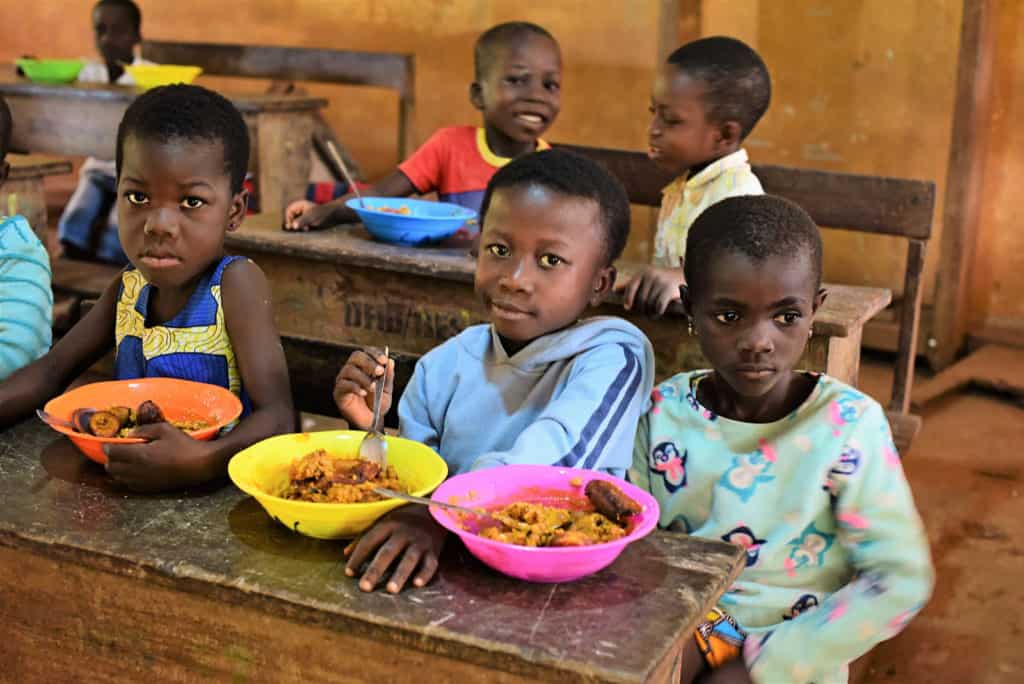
point(797, 468)
point(182, 309)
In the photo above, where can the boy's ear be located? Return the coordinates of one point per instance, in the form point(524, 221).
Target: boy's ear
point(819, 299)
point(5, 168)
point(684, 296)
point(730, 135)
point(604, 281)
point(476, 95)
point(239, 206)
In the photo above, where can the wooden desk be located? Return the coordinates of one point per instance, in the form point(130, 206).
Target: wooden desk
point(204, 585)
point(340, 285)
point(23, 192)
point(82, 119)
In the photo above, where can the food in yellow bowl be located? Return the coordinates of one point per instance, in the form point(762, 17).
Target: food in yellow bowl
point(148, 76)
point(322, 478)
point(264, 471)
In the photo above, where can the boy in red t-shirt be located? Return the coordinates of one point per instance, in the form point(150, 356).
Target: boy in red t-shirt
point(518, 74)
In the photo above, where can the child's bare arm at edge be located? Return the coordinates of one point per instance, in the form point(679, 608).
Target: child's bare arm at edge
point(354, 386)
point(172, 459)
point(304, 215)
point(85, 344)
point(652, 290)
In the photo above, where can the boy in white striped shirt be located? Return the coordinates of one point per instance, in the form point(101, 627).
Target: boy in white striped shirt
point(706, 99)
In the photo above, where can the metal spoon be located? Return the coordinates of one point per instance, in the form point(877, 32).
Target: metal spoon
point(504, 519)
point(51, 419)
point(373, 447)
point(344, 170)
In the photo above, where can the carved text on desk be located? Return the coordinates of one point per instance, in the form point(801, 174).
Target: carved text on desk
point(407, 320)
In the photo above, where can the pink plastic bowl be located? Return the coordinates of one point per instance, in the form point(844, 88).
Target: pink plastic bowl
point(496, 487)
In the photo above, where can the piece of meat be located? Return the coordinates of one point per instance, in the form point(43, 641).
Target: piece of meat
point(354, 472)
point(610, 501)
point(149, 413)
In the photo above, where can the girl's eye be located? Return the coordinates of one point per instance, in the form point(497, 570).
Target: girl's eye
point(651, 109)
point(498, 250)
point(550, 260)
point(135, 197)
point(788, 318)
point(727, 317)
point(553, 86)
point(192, 202)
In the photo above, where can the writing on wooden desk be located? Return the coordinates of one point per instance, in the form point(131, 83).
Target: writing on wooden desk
point(407, 320)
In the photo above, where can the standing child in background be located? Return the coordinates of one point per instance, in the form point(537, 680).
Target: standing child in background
point(706, 100)
point(26, 300)
point(539, 384)
point(518, 77)
point(88, 226)
point(182, 309)
point(797, 468)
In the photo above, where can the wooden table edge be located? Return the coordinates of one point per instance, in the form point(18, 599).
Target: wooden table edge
point(194, 581)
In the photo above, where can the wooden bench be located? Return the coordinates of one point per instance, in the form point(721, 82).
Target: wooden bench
point(390, 70)
point(340, 285)
point(23, 191)
point(82, 119)
point(869, 204)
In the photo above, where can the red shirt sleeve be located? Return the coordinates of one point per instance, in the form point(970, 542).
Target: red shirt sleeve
point(425, 166)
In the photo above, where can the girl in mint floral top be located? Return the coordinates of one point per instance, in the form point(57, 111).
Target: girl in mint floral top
point(797, 468)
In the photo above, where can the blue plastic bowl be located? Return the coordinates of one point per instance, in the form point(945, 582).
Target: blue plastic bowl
point(425, 222)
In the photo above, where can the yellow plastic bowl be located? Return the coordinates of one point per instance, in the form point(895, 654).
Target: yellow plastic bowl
point(262, 471)
point(148, 76)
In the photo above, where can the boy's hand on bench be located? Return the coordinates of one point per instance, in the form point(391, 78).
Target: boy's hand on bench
point(652, 290)
point(354, 386)
point(304, 215)
point(407, 538)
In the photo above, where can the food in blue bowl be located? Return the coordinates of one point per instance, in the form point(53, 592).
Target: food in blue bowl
point(412, 222)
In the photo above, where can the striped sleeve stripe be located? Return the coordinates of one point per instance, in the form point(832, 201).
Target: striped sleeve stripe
point(39, 333)
point(612, 395)
point(609, 429)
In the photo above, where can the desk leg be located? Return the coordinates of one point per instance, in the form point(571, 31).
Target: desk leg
point(280, 150)
point(29, 201)
point(843, 362)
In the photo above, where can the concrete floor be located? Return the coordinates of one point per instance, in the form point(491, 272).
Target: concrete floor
point(967, 473)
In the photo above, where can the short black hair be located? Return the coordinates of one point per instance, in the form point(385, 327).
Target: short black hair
point(571, 175)
point(736, 78)
point(188, 112)
point(498, 36)
point(134, 13)
point(6, 128)
point(758, 226)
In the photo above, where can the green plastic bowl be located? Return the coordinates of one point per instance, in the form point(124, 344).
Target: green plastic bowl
point(51, 70)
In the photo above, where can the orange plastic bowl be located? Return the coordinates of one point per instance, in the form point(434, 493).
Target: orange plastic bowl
point(178, 399)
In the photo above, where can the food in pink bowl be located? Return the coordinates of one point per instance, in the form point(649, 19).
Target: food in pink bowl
point(556, 524)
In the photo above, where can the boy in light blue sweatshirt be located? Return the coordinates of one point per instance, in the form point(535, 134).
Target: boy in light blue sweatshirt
point(537, 385)
point(26, 301)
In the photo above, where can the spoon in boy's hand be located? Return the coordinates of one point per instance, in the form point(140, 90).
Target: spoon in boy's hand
point(344, 170)
point(374, 447)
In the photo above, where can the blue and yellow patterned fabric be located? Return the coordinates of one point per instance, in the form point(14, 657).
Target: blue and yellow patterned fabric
point(194, 345)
